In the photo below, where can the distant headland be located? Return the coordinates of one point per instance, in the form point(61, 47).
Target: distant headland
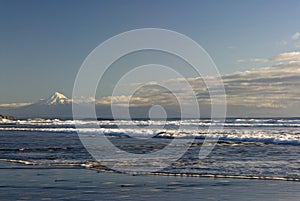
point(7, 117)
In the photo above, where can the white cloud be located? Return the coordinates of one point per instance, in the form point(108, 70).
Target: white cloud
point(269, 87)
point(14, 104)
point(296, 36)
point(259, 60)
point(241, 60)
point(288, 56)
point(283, 57)
point(83, 99)
point(124, 101)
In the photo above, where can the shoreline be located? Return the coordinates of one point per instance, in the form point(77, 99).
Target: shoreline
point(27, 164)
point(73, 183)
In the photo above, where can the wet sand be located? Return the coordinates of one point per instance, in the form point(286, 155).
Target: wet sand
point(23, 182)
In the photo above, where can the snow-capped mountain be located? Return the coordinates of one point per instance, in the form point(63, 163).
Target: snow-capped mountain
point(60, 106)
point(56, 99)
point(56, 106)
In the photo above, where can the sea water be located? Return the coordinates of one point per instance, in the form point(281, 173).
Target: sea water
point(258, 148)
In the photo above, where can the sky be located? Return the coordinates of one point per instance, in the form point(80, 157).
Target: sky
point(43, 43)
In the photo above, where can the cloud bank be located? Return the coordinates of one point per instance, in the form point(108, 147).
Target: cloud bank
point(268, 91)
point(288, 56)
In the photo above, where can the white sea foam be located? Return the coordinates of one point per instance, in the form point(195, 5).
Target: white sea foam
point(277, 136)
point(193, 122)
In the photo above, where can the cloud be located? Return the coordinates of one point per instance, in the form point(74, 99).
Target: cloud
point(269, 87)
point(275, 88)
point(288, 56)
point(255, 60)
point(124, 101)
point(259, 60)
point(296, 36)
point(82, 100)
point(267, 91)
point(153, 94)
point(283, 57)
point(241, 60)
point(14, 104)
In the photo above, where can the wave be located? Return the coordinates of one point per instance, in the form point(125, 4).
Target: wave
point(41, 149)
point(245, 122)
point(261, 134)
point(97, 166)
point(273, 136)
point(227, 176)
point(40, 163)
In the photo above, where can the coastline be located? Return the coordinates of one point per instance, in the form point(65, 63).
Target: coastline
point(24, 182)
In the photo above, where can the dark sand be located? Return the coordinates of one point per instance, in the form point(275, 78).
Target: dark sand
point(21, 182)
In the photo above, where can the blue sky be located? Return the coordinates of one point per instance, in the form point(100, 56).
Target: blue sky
point(43, 43)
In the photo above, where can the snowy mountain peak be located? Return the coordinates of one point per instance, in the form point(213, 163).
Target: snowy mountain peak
point(58, 95)
point(56, 99)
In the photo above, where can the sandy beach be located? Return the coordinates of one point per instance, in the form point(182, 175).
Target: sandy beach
point(22, 182)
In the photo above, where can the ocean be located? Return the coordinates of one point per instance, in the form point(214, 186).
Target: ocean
point(246, 148)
